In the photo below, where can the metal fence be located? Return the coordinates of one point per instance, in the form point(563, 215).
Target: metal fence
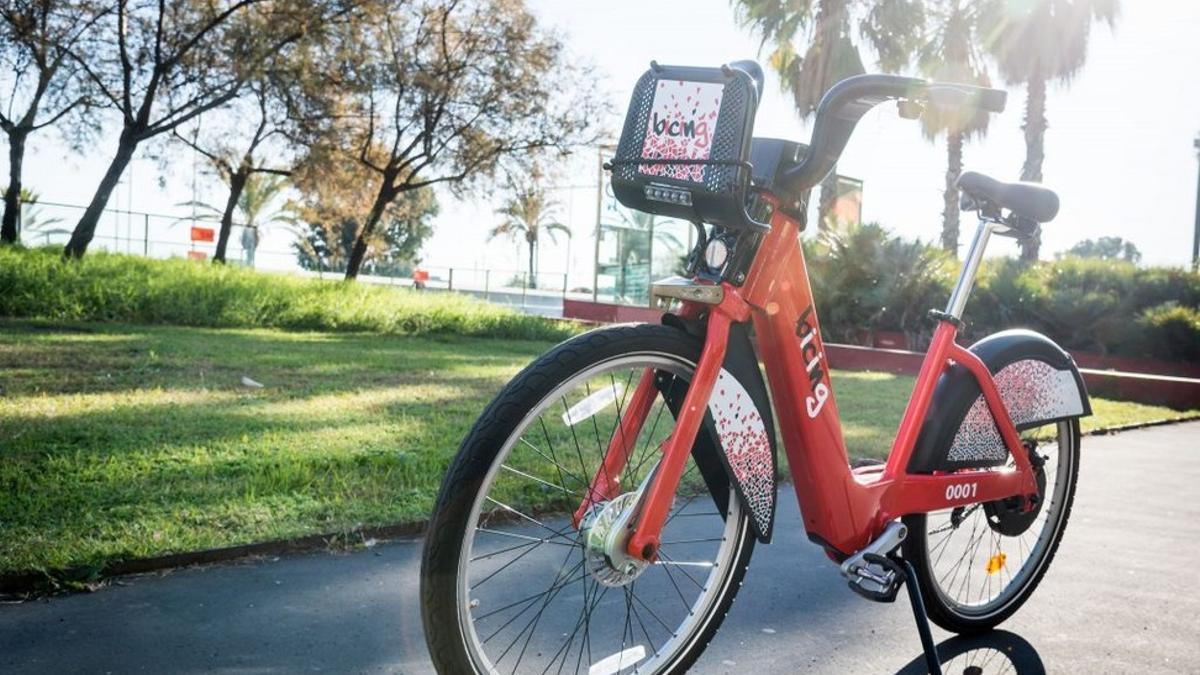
point(157, 235)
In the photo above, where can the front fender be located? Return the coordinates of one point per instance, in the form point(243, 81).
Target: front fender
point(737, 442)
point(1038, 382)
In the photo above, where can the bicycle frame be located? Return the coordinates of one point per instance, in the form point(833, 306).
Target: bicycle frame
point(843, 509)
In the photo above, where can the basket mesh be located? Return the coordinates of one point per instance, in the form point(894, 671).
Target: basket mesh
point(715, 184)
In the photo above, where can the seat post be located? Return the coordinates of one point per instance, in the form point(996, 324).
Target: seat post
point(970, 268)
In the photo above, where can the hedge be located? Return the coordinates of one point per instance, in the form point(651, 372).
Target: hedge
point(39, 284)
point(867, 278)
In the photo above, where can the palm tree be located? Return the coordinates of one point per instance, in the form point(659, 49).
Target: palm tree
point(890, 28)
point(258, 193)
point(30, 221)
point(528, 214)
point(950, 54)
point(1034, 43)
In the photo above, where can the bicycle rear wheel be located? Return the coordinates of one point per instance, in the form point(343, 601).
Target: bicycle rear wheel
point(510, 585)
point(978, 564)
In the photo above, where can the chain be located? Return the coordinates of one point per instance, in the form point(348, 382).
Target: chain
point(955, 522)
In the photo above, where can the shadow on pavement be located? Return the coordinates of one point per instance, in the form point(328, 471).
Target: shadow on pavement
point(990, 653)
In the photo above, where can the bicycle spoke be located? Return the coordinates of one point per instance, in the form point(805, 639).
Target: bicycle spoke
point(553, 459)
point(548, 540)
point(556, 588)
point(578, 452)
point(481, 617)
point(638, 617)
point(553, 586)
point(682, 567)
point(518, 472)
point(531, 519)
point(548, 613)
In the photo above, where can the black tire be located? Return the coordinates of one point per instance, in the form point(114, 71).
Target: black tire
point(963, 621)
point(445, 539)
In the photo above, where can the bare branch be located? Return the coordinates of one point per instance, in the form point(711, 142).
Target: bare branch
point(126, 65)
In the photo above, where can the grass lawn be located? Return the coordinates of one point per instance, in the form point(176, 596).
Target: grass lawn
point(124, 441)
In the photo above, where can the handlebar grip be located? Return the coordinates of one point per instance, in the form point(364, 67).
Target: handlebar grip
point(965, 95)
point(847, 101)
point(993, 100)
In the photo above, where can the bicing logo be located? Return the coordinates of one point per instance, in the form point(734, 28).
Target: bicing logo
point(810, 351)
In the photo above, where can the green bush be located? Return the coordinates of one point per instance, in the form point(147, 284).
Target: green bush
point(1083, 303)
point(39, 284)
point(1172, 331)
point(1103, 306)
point(867, 279)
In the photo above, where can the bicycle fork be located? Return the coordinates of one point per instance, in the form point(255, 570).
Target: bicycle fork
point(658, 493)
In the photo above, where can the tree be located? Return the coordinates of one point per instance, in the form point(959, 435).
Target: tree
point(35, 39)
point(160, 65)
point(443, 91)
point(1107, 248)
point(949, 53)
point(528, 214)
point(1036, 42)
point(236, 157)
point(256, 193)
point(31, 220)
point(889, 27)
point(328, 218)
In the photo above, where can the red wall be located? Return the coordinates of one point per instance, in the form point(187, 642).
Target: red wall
point(603, 312)
point(1143, 380)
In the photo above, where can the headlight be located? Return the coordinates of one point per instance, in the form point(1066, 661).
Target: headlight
point(716, 254)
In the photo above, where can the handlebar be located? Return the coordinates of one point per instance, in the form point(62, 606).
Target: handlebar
point(847, 101)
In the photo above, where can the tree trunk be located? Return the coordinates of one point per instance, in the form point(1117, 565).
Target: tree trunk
point(1035, 151)
point(237, 182)
point(950, 212)
point(532, 266)
point(358, 253)
point(85, 229)
point(10, 231)
point(826, 200)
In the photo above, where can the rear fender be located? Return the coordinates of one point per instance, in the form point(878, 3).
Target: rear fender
point(1038, 382)
point(737, 441)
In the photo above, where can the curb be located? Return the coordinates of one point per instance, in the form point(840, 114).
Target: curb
point(1141, 425)
point(28, 585)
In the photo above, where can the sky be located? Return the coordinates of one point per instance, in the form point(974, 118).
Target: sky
point(1119, 150)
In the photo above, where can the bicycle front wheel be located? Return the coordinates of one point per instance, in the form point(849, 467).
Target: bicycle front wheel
point(511, 585)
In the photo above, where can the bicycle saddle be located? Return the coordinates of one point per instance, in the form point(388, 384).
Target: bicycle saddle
point(1026, 200)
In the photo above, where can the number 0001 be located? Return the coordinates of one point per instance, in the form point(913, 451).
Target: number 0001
point(961, 490)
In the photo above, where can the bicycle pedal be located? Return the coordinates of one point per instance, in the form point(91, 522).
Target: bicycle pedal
point(871, 572)
point(878, 580)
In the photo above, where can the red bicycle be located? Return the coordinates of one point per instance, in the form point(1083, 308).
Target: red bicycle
point(601, 514)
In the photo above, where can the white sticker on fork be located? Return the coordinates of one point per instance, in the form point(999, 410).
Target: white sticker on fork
point(592, 404)
point(610, 665)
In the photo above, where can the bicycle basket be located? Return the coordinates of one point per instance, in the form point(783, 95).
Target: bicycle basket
point(702, 117)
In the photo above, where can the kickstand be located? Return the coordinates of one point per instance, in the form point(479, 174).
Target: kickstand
point(918, 608)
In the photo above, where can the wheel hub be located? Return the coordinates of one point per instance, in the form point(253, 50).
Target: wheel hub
point(1006, 515)
point(605, 533)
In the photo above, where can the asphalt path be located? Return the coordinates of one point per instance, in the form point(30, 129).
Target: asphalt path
point(1121, 597)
